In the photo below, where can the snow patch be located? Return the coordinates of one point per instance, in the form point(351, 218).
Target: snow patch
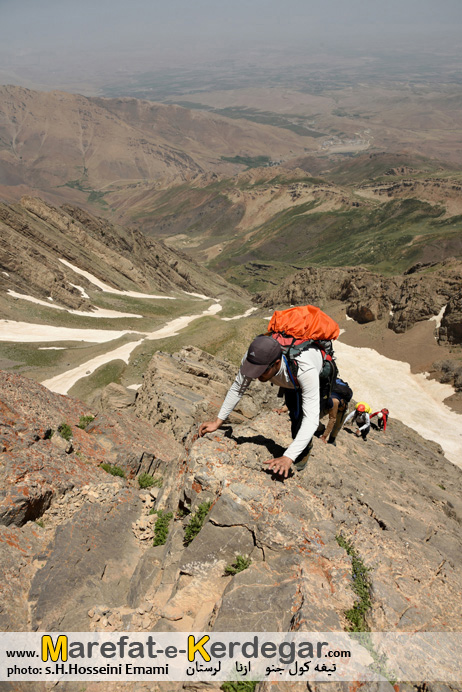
point(134, 386)
point(238, 317)
point(98, 312)
point(25, 332)
point(79, 288)
point(108, 289)
point(52, 348)
point(198, 295)
point(175, 326)
point(62, 383)
point(437, 318)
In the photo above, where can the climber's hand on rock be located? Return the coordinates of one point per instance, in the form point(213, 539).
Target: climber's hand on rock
point(280, 465)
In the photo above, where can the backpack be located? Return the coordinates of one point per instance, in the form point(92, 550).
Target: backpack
point(342, 389)
point(300, 328)
point(367, 407)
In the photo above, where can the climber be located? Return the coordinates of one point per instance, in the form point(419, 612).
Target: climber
point(382, 417)
point(264, 360)
point(361, 417)
point(337, 409)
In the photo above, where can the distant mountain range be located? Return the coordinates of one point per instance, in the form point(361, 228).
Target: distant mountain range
point(251, 201)
point(53, 139)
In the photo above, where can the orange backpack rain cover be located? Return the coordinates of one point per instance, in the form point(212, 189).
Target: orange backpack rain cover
point(304, 322)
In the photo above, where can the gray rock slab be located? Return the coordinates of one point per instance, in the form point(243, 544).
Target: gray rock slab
point(91, 560)
point(146, 571)
point(262, 598)
point(228, 512)
point(215, 543)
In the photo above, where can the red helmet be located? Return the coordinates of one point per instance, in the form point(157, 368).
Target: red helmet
point(361, 408)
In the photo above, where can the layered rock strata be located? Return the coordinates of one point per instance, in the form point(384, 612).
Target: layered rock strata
point(402, 301)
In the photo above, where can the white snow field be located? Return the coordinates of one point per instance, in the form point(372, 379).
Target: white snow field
point(26, 332)
point(62, 383)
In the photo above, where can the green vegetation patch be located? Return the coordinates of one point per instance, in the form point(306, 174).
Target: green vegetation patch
point(161, 527)
point(65, 431)
point(196, 522)
point(87, 387)
point(240, 686)
point(356, 616)
point(85, 421)
point(145, 480)
point(388, 237)
point(94, 196)
point(249, 161)
point(239, 565)
point(113, 470)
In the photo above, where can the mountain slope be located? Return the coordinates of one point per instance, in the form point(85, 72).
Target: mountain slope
point(36, 236)
point(54, 139)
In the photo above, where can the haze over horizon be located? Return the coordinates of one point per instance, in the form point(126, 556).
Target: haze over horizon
point(61, 44)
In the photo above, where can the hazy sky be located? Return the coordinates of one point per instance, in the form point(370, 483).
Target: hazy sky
point(82, 29)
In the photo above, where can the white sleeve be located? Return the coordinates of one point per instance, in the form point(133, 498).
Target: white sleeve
point(349, 417)
point(308, 379)
point(234, 395)
point(367, 423)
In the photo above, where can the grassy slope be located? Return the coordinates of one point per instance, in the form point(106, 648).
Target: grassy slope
point(387, 235)
point(388, 238)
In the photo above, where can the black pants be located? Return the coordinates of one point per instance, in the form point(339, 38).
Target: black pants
point(294, 404)
point(365, 432)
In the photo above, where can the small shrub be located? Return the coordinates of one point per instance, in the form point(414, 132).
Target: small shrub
point(84, 421)
point(240, 686)
point(361, 587)
point(65, 431)
point(49, 434)
point(196, 522)
point(239, 565)
point(40, 523)
point(440, 485)
point(161, 527)
point(113, 470)
point(183, 512)
point(147, 481)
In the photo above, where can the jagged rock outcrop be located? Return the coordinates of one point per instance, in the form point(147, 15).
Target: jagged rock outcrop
point(401, 300)
point(114, 397)
point(43, 474)
point(396, 498)
point(185, 388)
point(451, 322)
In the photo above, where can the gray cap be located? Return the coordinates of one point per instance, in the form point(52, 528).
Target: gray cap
point(263, 352)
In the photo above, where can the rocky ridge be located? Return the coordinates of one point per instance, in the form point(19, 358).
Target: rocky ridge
point(396, 499)
point(420, 294)
point(37, 235)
